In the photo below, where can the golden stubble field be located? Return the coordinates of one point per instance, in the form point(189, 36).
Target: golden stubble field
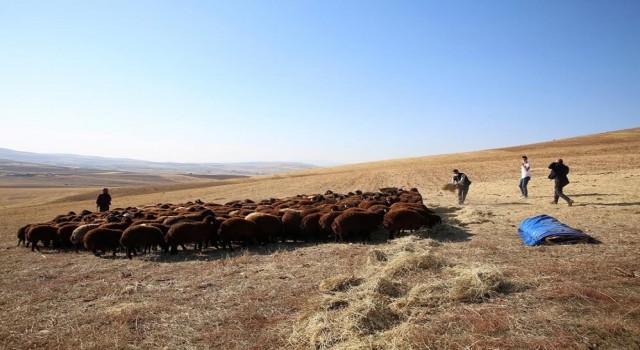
point(468, 283)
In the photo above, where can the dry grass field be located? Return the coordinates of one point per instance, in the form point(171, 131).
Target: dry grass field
point(468, 283)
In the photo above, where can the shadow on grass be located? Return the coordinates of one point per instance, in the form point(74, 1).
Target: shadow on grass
point(594, 194)
point(627, 204)
point(513, 203)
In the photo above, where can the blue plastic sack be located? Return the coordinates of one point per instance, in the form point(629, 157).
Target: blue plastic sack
point(544, 229)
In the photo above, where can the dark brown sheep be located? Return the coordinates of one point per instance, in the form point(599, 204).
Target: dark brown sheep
point(237, 229)
point(102, 239)
point(269, 226)
point(44, 233)
point(64, 234)
point(191, 232)
point(326, 220)
point(348, 226)
point(122, 225)
point(22, 234)
point(142, 236)
point(291, 225)
point(398, 220)
point(310, 227)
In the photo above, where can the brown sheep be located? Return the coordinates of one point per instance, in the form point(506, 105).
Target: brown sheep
point(398, 220)
point(355, 224)
point(237, 229)
point(269, 226)
point(22, 234)
point(142, 236)
point(310, 227)
point(291, 225)
point(326, 220)
point(102, 239)
point(77, 236)
point(191, 232)
point(44, 232)
point(64, 234)
point(122, 225)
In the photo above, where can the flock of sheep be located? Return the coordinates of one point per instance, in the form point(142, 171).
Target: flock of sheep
point(320, 218)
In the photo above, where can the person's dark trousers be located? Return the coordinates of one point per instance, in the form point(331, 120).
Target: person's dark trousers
point(523, 186)
point(102, 209)
point(558, 193)
point(462, 193)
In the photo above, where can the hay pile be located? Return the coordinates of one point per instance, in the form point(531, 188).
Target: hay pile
point(377, 308)
point(449, 187)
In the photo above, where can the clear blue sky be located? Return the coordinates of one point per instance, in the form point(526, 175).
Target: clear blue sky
point(343, 81)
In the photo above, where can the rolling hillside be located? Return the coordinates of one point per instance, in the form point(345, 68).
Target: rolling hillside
point(468, 283)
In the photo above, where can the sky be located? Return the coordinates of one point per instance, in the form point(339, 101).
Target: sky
point(323, 82)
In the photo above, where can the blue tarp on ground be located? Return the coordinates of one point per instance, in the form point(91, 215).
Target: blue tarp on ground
point(544, 229)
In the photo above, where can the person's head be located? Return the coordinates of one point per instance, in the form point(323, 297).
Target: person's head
point(105, 190)
point(524, 158)
point(559, 161)
point(455, 172)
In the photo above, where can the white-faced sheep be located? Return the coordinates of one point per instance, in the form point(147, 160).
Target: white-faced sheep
point(142, 236)
point(77, 236)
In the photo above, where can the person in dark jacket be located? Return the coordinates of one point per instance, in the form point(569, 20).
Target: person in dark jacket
point(559, 173)
point(104, 200)
point(462, 183)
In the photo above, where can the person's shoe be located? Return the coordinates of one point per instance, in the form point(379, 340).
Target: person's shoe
point(554, 202)
point(570, 202)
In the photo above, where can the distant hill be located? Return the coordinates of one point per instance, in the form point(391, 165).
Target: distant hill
point(133, 165)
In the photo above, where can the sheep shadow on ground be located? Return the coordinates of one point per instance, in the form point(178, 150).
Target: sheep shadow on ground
point(212, 253)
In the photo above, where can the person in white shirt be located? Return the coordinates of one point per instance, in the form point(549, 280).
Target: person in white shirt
point(525, 176)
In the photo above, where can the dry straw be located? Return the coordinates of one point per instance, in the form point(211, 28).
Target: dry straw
point(339, 283)
point(449, 187)
point(475, 283)
point(407, 261)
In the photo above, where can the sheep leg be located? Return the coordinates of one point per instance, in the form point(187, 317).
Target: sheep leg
point(174, 249)
point(183, 247)
point(129, 253)
point(34, 246)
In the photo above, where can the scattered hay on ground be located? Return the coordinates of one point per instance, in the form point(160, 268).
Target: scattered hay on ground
point(376, 309)
point(405, 262)
point(475, 283)
point(468, 215)
point(339, 283)
point(376, 256)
